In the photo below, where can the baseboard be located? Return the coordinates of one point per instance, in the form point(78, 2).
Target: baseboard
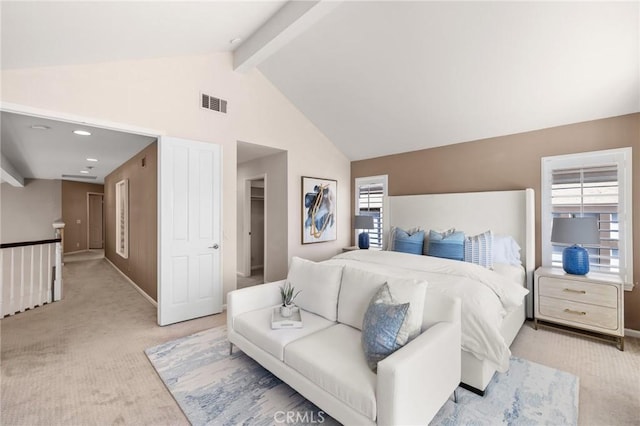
point(631, 333)
point(242, 274)
point(75, 252)
point(254, 267)
point(139, 290)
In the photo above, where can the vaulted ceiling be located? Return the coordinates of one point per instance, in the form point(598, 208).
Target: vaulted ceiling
point(375, 77)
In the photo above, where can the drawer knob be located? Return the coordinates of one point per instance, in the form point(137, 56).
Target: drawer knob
point(570, 290)
point(571, 311)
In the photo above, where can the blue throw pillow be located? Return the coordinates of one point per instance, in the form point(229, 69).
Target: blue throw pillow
point(408, 243)
point(449, 245)
point(381, 327)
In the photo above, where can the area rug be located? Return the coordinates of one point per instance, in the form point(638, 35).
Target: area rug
point(215, 388)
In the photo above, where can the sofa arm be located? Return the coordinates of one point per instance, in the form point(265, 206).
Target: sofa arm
point(251, 299)
point(416, 380)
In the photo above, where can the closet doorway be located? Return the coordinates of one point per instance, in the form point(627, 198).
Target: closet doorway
point(262, 209)
point(256, 228)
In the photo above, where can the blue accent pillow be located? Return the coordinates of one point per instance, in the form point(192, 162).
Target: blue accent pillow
point(381, 328)
point(449, 245)
point(408, 243)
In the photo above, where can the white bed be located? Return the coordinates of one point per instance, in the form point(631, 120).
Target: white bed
point(504, 213)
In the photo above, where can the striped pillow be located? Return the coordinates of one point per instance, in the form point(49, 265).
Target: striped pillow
point(478, 249)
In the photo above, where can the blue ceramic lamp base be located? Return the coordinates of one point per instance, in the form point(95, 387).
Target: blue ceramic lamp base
point(575, 260)
point(363, 240)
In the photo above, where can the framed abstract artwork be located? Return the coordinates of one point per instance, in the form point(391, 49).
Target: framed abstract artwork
point(319, 210)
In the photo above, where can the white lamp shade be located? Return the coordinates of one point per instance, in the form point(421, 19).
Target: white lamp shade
point(575, 230)
point(363, 222)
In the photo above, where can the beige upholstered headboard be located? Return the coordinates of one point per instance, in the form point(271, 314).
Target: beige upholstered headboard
point(502, 212)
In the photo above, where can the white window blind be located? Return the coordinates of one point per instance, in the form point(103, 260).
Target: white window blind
point(371, 194)
point(596, 184)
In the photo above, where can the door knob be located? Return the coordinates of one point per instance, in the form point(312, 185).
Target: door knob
point(215, 246)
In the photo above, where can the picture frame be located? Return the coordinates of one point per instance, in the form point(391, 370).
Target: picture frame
point(122, 218)
point(319, 210)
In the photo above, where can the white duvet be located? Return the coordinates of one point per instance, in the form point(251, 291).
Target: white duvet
point(486, 295)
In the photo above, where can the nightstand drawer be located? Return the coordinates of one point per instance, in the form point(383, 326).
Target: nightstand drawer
point(579, 291)
point(582, 313)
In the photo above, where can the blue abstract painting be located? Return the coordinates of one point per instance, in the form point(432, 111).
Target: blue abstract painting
point(318, 210)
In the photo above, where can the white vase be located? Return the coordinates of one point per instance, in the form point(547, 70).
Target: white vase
point(285, 311)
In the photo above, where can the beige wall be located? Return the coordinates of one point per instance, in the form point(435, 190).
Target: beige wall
point(74, 209)
point(276, 214)
point(163, 94)
point(141, 265)
point(513, 162)
point(27, 213)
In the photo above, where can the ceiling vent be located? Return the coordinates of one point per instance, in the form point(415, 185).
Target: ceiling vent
point(212, 103)
point(79, 177)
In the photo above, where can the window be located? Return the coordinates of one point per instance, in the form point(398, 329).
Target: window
point(371, 200)
point(122, 218)
point(594, 184)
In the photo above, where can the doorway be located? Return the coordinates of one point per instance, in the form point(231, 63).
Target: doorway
point(262, 232)
point(95, 221)
point(255, 232)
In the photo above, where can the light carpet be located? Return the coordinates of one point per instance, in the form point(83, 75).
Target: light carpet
point(213, 387)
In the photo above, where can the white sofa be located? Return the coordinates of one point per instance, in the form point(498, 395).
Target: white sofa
point(324, 360)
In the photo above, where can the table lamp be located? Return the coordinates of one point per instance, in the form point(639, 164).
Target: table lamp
point(575, 231)
point(363, 222)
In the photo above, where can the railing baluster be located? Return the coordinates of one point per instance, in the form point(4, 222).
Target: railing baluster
point(27, 279)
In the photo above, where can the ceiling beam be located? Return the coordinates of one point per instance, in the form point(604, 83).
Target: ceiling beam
point(291, 20)
point(9, 173)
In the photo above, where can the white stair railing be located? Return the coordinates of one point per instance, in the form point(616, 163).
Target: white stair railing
point(30, 276)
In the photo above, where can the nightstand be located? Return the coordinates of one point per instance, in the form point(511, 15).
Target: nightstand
point(351, 248)
point(592, 302)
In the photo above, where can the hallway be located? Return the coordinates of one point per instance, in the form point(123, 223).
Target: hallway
point(81, 360)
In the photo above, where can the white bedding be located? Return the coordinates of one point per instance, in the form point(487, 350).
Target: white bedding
point(487, 295)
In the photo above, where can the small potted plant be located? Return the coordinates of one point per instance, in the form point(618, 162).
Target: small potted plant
point(288, 295)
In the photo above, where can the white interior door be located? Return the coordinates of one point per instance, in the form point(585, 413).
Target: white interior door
point(189, 222)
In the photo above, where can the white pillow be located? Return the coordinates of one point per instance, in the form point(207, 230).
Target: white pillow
point(357, 289)
point(506, 250)
point(319, 286)
point(404, 290)
point(359, 286)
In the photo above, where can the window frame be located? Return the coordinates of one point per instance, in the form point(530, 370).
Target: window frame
point(367, 180)
point(621, 157)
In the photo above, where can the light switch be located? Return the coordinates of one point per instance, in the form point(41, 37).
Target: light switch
point(78, 221)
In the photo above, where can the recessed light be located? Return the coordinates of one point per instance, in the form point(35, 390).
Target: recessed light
point(40, 127)
point(84, 172)
point(82, 132)
point(93, 160)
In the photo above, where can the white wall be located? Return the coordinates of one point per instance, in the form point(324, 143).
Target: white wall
point(163, 94)
point(277, 212)
point(27, 213)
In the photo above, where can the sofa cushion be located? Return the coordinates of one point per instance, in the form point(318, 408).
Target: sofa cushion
point(381, 330)
point(333, 359)
point(359, 286)
point(319, 285)
point(255, 326)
